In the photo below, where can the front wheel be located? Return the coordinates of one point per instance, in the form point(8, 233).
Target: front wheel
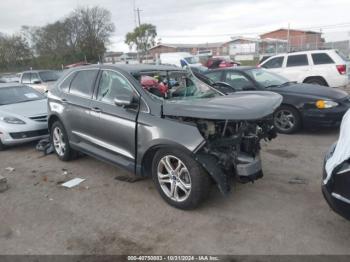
point(287, 120)
point(60, 142)
point(179, 179)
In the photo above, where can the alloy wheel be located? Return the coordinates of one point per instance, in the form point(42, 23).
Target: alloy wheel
point(284, 120)
point(174, 178)
point(58, 141)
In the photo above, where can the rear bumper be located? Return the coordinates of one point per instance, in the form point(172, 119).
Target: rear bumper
point(339, 81)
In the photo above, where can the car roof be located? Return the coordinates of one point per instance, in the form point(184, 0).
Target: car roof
point(236, 68)
point(304, 52)
point(37, 71)
point(4, 85)
point(132, 68)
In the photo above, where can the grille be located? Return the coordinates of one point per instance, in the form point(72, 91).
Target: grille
point(39, 118)
point(29, 134)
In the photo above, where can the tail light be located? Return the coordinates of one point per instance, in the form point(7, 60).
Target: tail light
point(258, 66)
point(341, 69)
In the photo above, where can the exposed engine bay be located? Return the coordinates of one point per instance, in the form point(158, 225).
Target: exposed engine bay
point(232, 126)
point(232, 148)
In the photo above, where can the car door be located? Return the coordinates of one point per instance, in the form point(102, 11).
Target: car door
point(275, 64)
point(76, 100)
point(297, 67)
point(116, 132)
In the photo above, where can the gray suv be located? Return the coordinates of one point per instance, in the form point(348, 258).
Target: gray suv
point(186, 135)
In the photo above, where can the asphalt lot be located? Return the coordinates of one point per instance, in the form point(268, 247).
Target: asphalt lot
point(107, 216)
point(103, 215)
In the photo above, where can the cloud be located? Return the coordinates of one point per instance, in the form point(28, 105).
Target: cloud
point(187, 20)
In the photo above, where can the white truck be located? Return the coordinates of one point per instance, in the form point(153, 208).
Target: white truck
point(180, 59)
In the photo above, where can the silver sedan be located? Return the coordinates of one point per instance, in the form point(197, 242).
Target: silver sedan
point(23, 115)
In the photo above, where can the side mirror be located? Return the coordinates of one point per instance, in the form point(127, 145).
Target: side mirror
point(125, 100)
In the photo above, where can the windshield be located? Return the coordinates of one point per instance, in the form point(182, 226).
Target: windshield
point(191, 60)
point(175, 85)
point(266, 78)
point(18, 94)
point(48, 76)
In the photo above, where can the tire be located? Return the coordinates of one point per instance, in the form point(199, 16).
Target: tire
point(192, 178)
point(2, 147)
point(287, 120)
point(65, 153)
point(316, 81)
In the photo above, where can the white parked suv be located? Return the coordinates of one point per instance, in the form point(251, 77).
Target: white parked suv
point(323, 67)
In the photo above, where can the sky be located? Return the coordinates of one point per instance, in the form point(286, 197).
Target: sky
point(191, 21)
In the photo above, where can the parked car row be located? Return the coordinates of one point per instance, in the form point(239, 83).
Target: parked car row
point(185, 129)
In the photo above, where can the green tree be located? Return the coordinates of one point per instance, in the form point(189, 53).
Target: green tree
point(14, 52)
point(143, 38)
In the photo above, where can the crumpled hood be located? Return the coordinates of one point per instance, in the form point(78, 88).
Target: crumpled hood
point(314, 90)
point(248, 105)
point(26, 109)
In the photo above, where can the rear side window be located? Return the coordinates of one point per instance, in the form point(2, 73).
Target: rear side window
point(274, 63)
point(26, 78)
point(321, 59)
point(297, 60)
point(66, 83)
point(83, 83)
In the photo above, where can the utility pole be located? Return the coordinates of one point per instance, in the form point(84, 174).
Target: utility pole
point(134, 9)
point(288, 38)
point(138, 10)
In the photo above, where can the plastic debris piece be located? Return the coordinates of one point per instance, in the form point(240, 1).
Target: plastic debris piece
point(72, 183)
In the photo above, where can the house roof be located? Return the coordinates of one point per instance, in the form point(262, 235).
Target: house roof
point(203, 45)
point(292, 30)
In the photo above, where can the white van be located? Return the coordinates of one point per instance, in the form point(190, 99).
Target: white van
point(323, 67)
point(180, 59)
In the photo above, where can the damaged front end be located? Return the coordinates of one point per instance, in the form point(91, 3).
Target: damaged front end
point(232, 149)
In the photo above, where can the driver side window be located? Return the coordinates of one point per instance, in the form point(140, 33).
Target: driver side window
point(238, 81)
point(111, 85)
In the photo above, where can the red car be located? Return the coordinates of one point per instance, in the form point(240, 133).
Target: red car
point(219, 62)
point(155, 87)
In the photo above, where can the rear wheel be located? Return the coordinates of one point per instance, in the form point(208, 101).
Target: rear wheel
point(180, 180)
point(287, 120)
point(2, 147)
point(60, 142)
point(316, 81)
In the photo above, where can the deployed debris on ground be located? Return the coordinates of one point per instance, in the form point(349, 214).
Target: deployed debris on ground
point(3, 184)
point(72, 183)
point(45, 146)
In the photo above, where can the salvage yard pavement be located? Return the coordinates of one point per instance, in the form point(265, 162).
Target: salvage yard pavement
point(283, 213)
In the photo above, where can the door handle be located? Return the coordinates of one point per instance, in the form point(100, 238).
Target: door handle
point(64, 101)
point(96, 109)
